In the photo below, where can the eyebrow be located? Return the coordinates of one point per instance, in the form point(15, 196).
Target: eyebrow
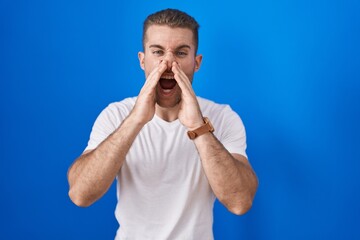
point(161, 47)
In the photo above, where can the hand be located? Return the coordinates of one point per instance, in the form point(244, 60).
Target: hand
point(189, 113)
point(144, 108)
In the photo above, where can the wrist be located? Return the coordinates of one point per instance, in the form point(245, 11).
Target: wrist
point(195, 123)
point(136, 119)
point(205, 127)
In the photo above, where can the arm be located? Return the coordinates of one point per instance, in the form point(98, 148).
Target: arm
point(230, 176)
point(93, 172)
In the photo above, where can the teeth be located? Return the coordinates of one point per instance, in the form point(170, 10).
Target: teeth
point(167, 90)
point(167, 77)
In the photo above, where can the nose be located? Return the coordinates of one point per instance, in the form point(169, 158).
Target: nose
point(169, 58)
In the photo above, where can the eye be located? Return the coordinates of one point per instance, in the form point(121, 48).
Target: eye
point(181, 53)
point(158, 52)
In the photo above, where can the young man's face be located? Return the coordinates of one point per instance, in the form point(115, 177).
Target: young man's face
point(163, 43)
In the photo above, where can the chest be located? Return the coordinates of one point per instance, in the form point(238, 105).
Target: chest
point(163, 155)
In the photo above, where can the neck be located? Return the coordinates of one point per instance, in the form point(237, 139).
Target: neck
point(167, 114)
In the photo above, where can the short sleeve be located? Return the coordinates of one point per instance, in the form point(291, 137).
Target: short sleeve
point(106, 123)
point(233, 135)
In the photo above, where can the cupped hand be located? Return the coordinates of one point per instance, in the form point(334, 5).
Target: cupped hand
point(144, 108)
point(189, 113)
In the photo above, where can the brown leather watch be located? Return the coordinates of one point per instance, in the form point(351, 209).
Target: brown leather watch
point(207, 127)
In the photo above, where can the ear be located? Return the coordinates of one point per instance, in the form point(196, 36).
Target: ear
point(198, 60)
point(141, 57)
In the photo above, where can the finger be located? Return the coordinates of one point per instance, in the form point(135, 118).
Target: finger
point(182, 80)
point(157, 71)
point(181, 74)
point(154, 76)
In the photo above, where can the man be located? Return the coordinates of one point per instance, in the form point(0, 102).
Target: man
point(169, 162)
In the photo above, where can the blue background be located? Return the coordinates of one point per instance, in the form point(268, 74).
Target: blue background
point(291, 69)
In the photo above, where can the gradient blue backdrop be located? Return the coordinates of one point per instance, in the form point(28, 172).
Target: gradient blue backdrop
point(289, 68)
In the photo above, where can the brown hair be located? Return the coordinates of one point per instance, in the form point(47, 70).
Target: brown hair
point(173, 18)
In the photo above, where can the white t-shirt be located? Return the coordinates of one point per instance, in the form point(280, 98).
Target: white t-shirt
point(162, 190)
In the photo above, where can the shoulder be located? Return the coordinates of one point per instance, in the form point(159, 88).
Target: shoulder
point(116, 112)
point(127, 103)
point(213, 109)
point(121, 108)
point(222, 116)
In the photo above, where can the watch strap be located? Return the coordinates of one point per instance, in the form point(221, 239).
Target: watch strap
point(207, 127)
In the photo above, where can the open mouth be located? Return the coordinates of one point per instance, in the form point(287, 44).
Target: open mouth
point(167, 83)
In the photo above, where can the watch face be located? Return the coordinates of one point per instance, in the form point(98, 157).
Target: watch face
point(207, 121)
point(211, 127)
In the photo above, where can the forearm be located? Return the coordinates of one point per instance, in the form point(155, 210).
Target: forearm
point(92, 173)
point(232, 179)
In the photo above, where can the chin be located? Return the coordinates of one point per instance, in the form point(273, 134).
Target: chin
point(169, 103)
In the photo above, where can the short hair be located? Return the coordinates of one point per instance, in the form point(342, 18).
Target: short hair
point(173, 18)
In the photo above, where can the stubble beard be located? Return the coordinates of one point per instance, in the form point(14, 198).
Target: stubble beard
point(168, 103)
